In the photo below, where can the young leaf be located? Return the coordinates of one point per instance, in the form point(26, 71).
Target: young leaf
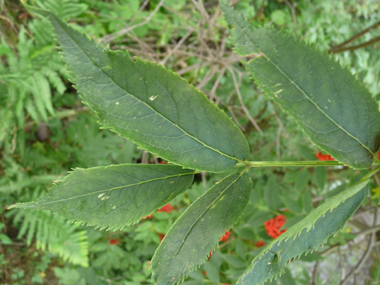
point(114, 196)
point(333, 108)
point(150, 105)
point(305, 236)
point(195, 234)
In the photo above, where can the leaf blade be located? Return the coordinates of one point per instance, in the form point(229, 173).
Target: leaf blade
point(305, 236)
point(150, 105)
point(137, 190)
point(335, 110)
point(175, 256)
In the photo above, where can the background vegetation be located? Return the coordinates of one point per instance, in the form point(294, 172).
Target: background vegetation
point(45, 131)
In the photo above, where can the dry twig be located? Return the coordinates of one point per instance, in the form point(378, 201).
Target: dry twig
point(111, 37)
point(370, 245)
point(242, 103)
point(177, 46)
point(292, 8)
point(354, 38)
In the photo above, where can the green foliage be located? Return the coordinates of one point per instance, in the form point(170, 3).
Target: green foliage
point(65, 9)
point(55, 234)
point(323, 107)
point(305, 236)
point(34, 70)
point(114, 196)
point(195, 234)
point(28, 77)
point(75, 141)
point(163, 108)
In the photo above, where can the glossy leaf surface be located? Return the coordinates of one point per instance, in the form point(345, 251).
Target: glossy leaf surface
point(114, 196)
point(305, 236)
point(196, 233)
point(150, 105)
point(333, 108)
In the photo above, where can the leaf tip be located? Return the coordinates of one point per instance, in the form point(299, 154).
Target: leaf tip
point(12, 206)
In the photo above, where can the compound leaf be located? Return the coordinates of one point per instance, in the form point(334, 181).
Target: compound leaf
point(333, 108)
point(114, 196)
point(149, 104)
point(195, 234)
point(305, 236)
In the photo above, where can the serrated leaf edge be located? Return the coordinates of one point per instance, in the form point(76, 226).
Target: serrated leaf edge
point(336, 201)
point(105, 126)
point(225, 5)
point(34, 205)
point(182, 277)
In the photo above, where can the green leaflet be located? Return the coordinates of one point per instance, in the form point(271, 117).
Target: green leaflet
point(305, 236)
point(114, 196)
point(333, 108)
point(150, 105)
point(195, 234)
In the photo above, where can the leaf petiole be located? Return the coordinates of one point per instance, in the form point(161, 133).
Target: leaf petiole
point(287, 163)
point(371, 173)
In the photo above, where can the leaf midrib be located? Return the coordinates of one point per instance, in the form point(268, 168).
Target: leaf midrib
point(300, 89)
point(167, 119)
point(118, 187)
point(199, 217)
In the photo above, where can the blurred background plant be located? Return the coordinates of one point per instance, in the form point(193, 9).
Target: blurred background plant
point(45, 131)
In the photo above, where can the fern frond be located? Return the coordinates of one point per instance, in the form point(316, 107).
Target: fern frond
point(54, 234)
point(66, 9)
point(34, 72)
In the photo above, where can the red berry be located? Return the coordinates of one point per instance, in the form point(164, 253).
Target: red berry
point(225, 236)
point(113, 241)
point(148, 217)
point(322, 157)
point(274, 225)
point(167, 208)
point(161, 236)
point(260, 243)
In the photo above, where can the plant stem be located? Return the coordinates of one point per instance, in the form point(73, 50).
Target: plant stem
point(287, 163)
point(371, 173)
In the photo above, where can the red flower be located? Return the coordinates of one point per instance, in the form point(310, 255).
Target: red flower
point(378, 155)
point(274, 225)
point(161, 236)
point(321, 156)
point(225, 236)
point(167, 208)
point(260, 243)
point(113, 241)
point(148, 217)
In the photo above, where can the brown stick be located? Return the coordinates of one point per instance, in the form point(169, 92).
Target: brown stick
point(377, 39)
point(292, 8)
point(370, 245)
point(357, 36)
point(111, 37)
